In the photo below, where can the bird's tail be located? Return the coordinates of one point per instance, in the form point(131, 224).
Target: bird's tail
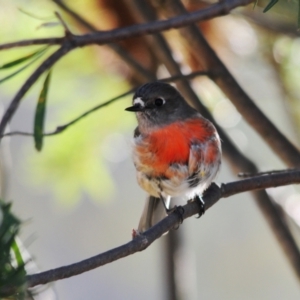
point(154, 211)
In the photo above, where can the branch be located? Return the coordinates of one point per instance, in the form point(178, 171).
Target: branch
point(276, 140)
point(63, 23)
point(227, 83)
point(47, 64)
point(103, 37)
point(33, 42)
point(123, 54)
point(72, 41)
point(61, 128)
point(216, 10)
point(143, 241)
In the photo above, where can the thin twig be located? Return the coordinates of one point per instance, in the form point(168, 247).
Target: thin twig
point(47, 64)
point(123, 54)
point(61, 128)
point(63, 23)
point(245, 175)
point(33, 42)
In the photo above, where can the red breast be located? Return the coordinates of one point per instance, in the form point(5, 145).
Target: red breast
point(171, 144)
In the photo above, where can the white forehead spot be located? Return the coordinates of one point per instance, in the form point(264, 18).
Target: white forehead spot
point(139, 101)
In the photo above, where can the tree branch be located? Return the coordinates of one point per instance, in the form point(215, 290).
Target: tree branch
point(61, 128)
point(143, 241)
point(211, 197)
point(33, 42)
point(237, 160)
point(227, 83)
point(72, 41)
point(103, 37)
point(47, 64)
point(123, 54)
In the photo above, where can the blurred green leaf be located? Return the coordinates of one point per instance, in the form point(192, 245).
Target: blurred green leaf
point(270, 5)
point(10, 275)
point(73, 162)
point(40, 114)
point(17, 252)
point(255, 3)
point(34, 58)
point(22, 59)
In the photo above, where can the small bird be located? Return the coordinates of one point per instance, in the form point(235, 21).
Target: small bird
point(176, 152)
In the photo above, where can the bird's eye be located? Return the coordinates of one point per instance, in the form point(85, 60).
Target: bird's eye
point(159, 102)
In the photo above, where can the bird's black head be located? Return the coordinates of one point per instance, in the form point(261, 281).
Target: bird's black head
point(158, 104)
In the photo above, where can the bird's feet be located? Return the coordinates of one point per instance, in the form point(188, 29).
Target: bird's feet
point(179, 210)
point(201, 204)
point(213, 191)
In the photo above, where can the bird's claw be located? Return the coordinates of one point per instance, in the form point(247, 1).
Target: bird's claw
point(201, 204)
point(179, 210)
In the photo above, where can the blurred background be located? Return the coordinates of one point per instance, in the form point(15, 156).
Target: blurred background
point(78, 197)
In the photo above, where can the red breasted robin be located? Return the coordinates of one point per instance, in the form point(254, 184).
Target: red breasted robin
point(177, 152)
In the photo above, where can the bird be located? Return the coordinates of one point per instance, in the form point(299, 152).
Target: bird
point(176, 151)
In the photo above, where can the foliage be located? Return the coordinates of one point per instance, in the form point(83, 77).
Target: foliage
point(12, 271)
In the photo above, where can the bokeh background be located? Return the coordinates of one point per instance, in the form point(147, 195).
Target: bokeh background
point(78, 197)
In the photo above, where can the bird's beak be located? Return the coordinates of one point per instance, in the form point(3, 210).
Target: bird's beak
point(135, 108)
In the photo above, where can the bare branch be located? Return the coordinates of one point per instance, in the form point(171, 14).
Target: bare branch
point(73, 41)
point(143, 241)
point(47, 64)
point(129, 59)
point(33, 42)
point(219, 9)
point(104, 37)
point(208, 58)
point(227, 83)
point(61, 128)
point(63, 23)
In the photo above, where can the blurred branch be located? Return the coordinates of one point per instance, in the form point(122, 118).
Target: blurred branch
point(143, 241)
point(238, 161)
point(33, 42)
point(61, 128)
point(227, 83)
point(271, 23)
point(103, 37)
point(47, 64)
point(63, 23)
point(71, 42)
point(134, 64)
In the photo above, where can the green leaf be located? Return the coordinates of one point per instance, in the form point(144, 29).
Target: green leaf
point(34, 58)
point(17, 252)
point(270, 5)
point(23, 59)
point(10, 275)
point(255, 3)
point(40, 114)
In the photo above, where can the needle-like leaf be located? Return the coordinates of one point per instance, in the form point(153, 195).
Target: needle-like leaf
point(40, 114)
point(22, 59)
point(270, 5)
